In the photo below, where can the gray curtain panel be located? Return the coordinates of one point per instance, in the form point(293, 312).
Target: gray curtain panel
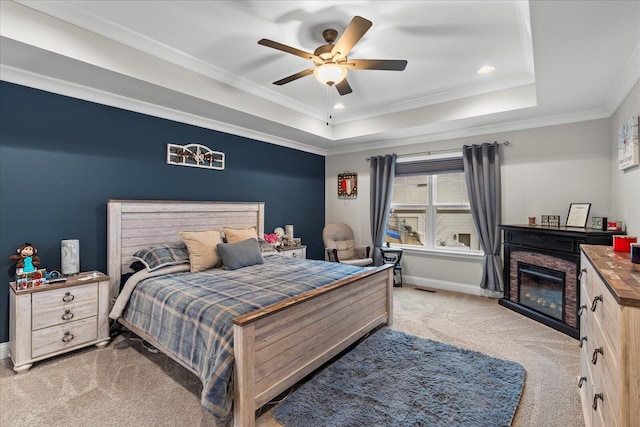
point(482, 172)
point(382, 173)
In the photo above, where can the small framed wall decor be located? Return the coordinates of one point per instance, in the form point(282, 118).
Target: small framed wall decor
point(347, 185)
point(578, 213)
point(195, 155)
point(628, 150)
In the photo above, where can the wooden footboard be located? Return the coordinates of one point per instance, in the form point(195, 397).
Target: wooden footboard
point(280, 345)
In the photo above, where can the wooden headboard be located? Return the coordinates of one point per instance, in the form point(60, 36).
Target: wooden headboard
point(136, 224)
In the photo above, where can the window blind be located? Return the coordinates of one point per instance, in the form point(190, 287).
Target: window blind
point(431, 167)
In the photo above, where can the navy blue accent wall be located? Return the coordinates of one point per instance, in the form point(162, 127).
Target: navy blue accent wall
point(62, 159)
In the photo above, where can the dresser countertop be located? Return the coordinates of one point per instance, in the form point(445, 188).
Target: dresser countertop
point(617, 271)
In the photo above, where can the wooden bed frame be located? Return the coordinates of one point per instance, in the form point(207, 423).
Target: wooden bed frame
point(274, 347)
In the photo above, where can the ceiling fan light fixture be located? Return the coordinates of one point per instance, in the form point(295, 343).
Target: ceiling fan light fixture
point(330, 74)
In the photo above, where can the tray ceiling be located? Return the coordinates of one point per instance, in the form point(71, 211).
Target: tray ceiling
point(199, 62)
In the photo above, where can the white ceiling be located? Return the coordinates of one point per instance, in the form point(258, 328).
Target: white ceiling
point(199, 62)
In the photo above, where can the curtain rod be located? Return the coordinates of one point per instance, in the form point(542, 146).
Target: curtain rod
point(447, 150)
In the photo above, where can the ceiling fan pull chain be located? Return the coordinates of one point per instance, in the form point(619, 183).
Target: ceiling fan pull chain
point(328, 104)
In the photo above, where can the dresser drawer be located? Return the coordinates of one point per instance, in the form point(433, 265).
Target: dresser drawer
point(605, 379)
point(61, 297)
point(604, 308)
point(69, 312)
point(62, 337)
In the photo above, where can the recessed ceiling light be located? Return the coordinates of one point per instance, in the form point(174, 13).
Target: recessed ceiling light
point(338, 107)
point(486, 69)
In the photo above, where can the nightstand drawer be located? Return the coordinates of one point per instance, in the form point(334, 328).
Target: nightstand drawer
point(68, 313)
point(294, 253)
point(62, 297)
point(61, 337)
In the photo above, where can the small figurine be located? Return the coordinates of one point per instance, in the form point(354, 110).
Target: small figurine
point(27, 260)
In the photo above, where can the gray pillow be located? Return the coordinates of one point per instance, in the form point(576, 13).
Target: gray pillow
point(240, 254)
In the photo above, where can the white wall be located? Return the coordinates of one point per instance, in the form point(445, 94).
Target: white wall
point(543, 171)
point(625, 185)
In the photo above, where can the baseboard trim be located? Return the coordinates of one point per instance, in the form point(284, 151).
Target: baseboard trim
point(4, 350)
point(443, 285)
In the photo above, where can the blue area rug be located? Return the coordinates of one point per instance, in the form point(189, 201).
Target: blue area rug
point(395, 379)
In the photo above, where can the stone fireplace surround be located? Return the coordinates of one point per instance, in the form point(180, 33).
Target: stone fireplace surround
point(555, 248)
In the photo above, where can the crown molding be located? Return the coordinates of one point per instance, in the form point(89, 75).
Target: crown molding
point(471, 131)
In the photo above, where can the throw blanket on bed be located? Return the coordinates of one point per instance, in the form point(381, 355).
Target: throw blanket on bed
point(191, 314)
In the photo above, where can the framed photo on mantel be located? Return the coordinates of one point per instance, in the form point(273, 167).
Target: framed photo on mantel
point(578, 214)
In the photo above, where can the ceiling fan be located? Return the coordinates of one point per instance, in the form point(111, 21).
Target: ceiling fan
point(331, 62)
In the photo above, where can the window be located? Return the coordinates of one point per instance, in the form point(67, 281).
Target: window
point(430, 207)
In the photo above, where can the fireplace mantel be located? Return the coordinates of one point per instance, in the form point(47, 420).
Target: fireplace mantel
point(554, 248)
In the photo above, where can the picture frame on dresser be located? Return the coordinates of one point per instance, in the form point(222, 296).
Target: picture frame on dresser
point(578, 214)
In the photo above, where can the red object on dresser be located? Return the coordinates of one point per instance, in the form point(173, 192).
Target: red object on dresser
point(623, 243)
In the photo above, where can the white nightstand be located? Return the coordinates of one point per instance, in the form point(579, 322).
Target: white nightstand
point(53, 319)
point(299, 252)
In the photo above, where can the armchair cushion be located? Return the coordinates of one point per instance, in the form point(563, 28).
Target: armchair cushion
point(346, 249)
point(341, 246)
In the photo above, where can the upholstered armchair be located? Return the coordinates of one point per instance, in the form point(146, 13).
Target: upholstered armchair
point(340, 244)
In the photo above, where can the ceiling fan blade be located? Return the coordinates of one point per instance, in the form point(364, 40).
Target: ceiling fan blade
point(354, 32)
point(343, 87)
point(289, 49)
point(294, 77)
point(377, 64)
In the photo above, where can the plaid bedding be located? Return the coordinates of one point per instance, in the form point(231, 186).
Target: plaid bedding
point(192, 313)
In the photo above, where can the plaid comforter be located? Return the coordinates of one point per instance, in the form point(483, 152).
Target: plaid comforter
point(192, 314)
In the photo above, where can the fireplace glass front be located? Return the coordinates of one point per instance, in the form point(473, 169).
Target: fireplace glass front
point(541, 289)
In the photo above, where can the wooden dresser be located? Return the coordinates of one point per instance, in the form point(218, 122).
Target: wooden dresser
point(53, 319)
point(609, 338)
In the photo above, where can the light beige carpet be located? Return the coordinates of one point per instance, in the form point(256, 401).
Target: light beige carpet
point(125, 385)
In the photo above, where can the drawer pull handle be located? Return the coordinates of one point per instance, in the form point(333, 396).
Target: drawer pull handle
point(68, 336)
point(594, 304)
point(582, 341)
point(584, 270)
point(68, 297)
point(582, 381)
point(582, 308)
point(594, 359)
point(67, 315)
point(595, 401)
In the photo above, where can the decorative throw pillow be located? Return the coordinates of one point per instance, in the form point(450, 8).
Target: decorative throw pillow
point(239, 234)
point(203, 254)
point(154, 257)
point(266, 247)
point(240, 254)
